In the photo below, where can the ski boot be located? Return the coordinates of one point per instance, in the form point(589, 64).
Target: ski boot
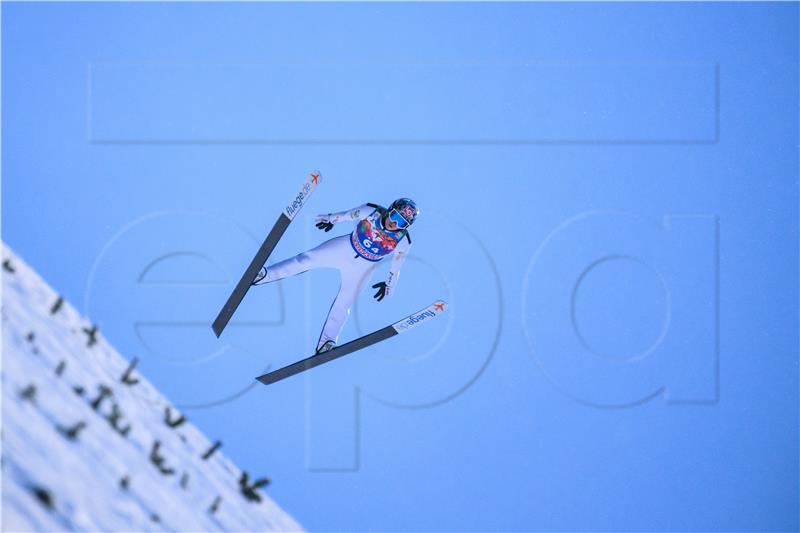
point(329, 345)
point(260, 276)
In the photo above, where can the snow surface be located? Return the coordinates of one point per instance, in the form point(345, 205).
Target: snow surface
point(81, 478)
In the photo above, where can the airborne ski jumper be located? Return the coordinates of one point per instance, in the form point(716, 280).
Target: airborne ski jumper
point(379, 233)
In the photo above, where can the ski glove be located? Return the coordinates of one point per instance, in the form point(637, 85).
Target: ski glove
point(381, 290)
point(326, 222)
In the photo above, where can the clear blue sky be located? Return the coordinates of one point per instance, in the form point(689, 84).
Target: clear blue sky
point(609, 198)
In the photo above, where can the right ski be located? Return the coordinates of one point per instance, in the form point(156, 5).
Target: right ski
point(264, 252)
point(387, 332)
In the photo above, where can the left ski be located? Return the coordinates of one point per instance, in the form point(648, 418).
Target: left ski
point(275, 234)
point(432, 311)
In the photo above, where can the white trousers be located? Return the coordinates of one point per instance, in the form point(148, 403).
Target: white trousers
point(354, 272)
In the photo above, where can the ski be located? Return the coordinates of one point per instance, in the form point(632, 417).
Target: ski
point(402, 326)
point(264, 252)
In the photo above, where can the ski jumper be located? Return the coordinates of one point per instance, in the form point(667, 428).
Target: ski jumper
point(355, 256)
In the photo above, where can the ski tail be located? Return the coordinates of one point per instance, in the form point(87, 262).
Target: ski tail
point(249, 275)
point(330, 355)
point(260, 259)
point(430, 312)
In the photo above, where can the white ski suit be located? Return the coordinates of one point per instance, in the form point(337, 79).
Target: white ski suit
point(355, 256)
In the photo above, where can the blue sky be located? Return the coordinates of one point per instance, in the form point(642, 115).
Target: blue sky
point(609, 204)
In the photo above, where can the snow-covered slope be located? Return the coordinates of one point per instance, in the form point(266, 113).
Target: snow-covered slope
point(69, 466)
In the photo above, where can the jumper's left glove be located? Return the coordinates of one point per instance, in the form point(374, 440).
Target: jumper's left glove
point(381, 290)
point(324, 222)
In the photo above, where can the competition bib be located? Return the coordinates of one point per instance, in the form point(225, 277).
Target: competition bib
point(371, 240)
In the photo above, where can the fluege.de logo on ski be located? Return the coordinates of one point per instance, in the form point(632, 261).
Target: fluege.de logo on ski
point(298, 202)
point(415, 319)
point(420, 317)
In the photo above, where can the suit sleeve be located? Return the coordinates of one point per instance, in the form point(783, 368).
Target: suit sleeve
point(357, 213)
point(398, 258)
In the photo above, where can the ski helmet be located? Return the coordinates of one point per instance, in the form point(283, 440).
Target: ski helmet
point(406, 209)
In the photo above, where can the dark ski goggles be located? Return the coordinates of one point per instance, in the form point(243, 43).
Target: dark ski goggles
point(398, 219)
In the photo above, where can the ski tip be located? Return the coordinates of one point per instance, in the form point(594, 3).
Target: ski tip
point(314, 177)
point(305, 192)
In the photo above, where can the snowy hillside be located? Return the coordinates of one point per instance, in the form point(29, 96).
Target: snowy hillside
point(89, 444)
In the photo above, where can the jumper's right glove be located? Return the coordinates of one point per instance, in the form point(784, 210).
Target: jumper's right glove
point(324, 222)
point(381, 290)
